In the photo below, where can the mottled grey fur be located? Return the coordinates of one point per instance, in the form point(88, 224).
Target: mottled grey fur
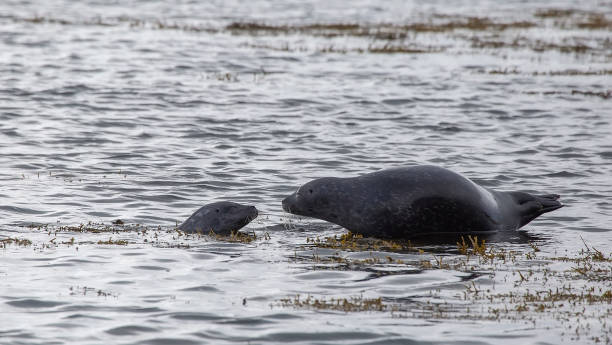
point(406, 201)
point(221, 217)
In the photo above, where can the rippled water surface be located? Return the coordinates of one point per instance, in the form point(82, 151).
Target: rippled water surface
point(145, 110)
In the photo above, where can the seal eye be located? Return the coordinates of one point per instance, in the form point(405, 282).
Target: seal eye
point(310, 190)
point(217, 210)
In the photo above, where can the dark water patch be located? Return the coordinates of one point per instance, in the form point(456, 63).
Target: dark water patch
point(62, 264)
point(21, 210)
point(151, 268)
point(570, 155)
point(165, 260)
point(283, 316)
point(593, 229)
point(195, 316)
point(69, 90)
point(64, 325)
point(16, 334)
point(131, 330)
point(100, 214)
point(29, 166)
point(116, 123)
point(605, 154)
point(86, 316)
point(34, 303)
point(133, 254)
point(397, 101)
point(79, 308)
point(563, 174)
point(38, 259)
point(201, 288)
point(290, 337)
point(324, 275)
point(246, 321)
point(203, 256)
point(85, 261)
point(169, 341)
point(167, 198)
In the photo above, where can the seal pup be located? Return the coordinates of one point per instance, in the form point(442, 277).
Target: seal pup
point(221, 217)
point(406, 201)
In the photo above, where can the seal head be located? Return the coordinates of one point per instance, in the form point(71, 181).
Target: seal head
point(220, 217)
point(528, 206)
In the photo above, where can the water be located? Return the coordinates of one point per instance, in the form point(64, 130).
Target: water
point(145, 111)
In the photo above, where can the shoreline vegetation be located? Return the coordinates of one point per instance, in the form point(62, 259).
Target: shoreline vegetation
point(566, 19)
point(583, 35)
point(481, 33)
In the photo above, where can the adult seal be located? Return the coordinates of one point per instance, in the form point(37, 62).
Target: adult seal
point(407, 201)
point(220, 217)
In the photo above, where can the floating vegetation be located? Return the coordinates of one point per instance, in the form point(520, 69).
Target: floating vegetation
point(504, 71)
point(116, 226)
point(372, 49)
point(235, 236)
point(84, 291)
point(554, 13)
point(602, 94)
point(534, 45)
point(345, 304)
point(110, 241)
point(156, 24)
point(377, 31)
point(572, 72)
point(14, 240)
point(437, 23)
point(356, 242)
point(567, 72)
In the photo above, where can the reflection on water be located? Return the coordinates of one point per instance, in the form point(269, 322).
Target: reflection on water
point(146, 112)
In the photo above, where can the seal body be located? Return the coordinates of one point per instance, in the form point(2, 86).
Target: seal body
point(406, 201)
point(220, 217)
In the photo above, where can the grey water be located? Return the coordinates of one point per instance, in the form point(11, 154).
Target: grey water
point(146, 110)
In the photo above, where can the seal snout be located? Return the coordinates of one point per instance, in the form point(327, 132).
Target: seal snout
point(253, 213)
point(549, 202)
point(289, 203)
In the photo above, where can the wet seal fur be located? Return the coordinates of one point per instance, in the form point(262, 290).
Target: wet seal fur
point(407, 201)
point(220, 217)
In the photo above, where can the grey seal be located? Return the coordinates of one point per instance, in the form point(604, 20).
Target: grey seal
point(406, 201)
point(221, 217)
